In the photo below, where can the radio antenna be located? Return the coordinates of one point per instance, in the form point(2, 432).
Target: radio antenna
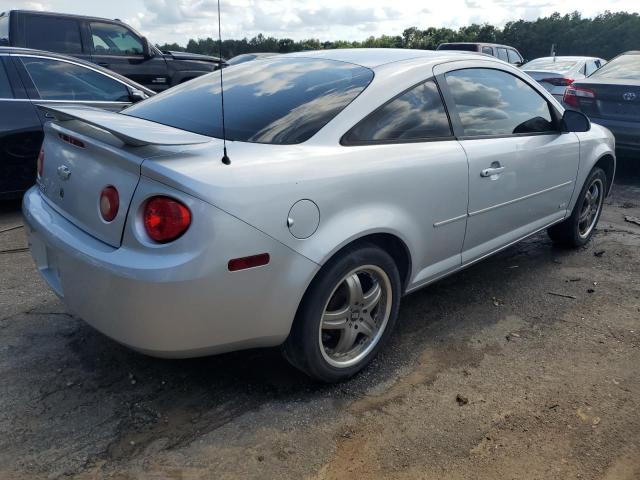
point(225, 158)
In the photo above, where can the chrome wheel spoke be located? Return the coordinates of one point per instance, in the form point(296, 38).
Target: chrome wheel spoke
point(347, 339)
point(372, 298)
point(367, 326)
point(356, 295)
point(336, 320)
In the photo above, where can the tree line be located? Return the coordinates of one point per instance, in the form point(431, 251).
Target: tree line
point(605, 35)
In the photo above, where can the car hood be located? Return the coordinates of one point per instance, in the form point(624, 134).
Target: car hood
point(191, 56)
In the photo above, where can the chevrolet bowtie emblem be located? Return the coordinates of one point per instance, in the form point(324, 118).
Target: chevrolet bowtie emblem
point(64, 172)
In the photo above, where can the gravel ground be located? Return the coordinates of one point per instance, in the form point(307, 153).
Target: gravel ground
point(491, 375)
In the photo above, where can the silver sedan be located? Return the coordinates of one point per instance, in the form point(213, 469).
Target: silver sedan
point(349, 179)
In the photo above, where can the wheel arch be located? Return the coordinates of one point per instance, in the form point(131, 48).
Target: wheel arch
point(608, 163)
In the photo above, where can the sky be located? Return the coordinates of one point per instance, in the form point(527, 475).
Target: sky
point(179, 20)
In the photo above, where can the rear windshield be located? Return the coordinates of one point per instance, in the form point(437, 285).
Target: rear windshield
point(550, 65)
point(4, 30)
point(465, 47)
point(278, 101)
point(623, 67)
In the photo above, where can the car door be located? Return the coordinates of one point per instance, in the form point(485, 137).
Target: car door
point(413, 132)
point(522, 168)
point(54, 80)
point(20, 133)
point(118, 48)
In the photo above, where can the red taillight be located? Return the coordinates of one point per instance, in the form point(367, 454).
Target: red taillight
point(40, 162)
point(571, 95)
point(558, 81)
point(109, 203)
point(72, 140)
point(165, 219)
point(248, 262)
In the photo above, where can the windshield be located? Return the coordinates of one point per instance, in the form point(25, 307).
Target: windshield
point(4, 30)
point(279, 101)
point(623, 67)
point(549, 64)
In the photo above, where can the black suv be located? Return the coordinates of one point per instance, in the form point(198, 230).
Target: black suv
point(108, 43)
point(503, 52)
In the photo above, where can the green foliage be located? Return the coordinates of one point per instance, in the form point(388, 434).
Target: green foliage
point(605, 35)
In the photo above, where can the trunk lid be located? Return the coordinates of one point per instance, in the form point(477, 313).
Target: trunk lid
point(614, 99)
point(86, 150)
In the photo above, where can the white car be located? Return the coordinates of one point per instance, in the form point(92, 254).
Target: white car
point(557, 73)
point(351, 177)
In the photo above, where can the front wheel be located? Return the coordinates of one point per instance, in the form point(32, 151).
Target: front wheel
point(578, 229)
point(346, 315)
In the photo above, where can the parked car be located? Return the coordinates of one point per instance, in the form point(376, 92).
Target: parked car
point(557, 73)
point(503, 52)
point(348, 185)
point(611, 97)
point(247, 57)
point(108, 43)
point(31, 77)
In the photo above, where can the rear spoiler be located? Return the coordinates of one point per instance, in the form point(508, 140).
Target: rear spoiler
point(132, 131)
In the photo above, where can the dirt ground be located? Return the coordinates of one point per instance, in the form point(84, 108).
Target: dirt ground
point(491, 375)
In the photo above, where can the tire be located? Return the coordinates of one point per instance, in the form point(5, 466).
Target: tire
point(578, 229)
point(339, 327)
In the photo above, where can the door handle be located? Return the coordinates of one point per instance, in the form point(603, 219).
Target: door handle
point(487, 172)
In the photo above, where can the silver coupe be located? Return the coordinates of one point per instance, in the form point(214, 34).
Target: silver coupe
point(351, 178)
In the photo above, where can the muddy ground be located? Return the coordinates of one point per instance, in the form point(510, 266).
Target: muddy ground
point(489, 376)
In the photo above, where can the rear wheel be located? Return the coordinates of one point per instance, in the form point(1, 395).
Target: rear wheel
point(346, 316)
point(577, 230)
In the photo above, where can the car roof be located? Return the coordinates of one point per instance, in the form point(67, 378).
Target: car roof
point(376, 57)
point(58, 14)
point(42, 53)
point(566, 57)
point(478, 43)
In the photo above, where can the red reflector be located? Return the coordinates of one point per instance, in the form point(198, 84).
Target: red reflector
point(165, 219)
point(71, 140)
point(40, 162)
point(248, 262)
point(109, 203)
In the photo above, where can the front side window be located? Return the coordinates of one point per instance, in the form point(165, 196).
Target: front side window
point(110, 39)
point(513, 56)
point(502, 54)
point(624, 67)
point(415, 115)
point(52, 33)
point(493, 102)
point(5, 86)
point(277, 100)
point(56, 80)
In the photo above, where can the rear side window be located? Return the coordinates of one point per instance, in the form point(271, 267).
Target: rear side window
point(417, 114)
point(487, 50)
point(56, 80)
point(277, 101)
point(502, 54)
point(110, 39)
point(5, 86)
point(53, 34)
point(4, 30)
point(493, 102)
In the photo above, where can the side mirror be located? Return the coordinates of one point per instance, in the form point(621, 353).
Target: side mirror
point(147, 51)
point(574, 121)
point(137, 95)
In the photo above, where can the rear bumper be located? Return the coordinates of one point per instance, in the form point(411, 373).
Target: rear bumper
point(179, 301)
point(627, 134)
